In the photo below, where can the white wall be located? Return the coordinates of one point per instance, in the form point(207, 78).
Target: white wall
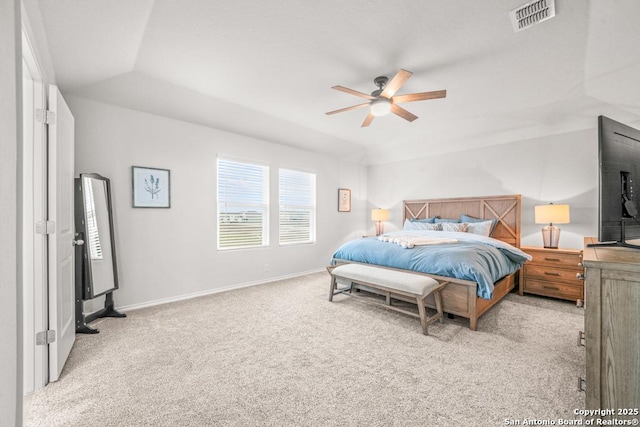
point(560, 169)
point(10, 199)
point(166, 253)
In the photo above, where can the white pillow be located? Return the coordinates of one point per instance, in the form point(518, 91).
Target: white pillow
point(415, 225)
point(482, 228)
point(454, 226)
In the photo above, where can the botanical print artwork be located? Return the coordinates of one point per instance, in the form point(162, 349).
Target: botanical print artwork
point(151, 187)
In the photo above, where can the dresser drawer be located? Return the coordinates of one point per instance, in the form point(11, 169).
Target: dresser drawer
point(560, 259)
point(545, 272)
point(553, 289)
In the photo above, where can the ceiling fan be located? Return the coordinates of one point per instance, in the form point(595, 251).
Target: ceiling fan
point(384, 99)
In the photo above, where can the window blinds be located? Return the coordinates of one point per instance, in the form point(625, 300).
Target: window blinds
point(297, 214)
point(243, 204)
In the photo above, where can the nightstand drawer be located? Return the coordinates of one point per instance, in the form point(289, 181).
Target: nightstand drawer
point(550, 273)
point(560, 259)
point(553, 289)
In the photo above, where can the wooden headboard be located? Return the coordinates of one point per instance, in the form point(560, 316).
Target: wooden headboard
point(505, 209)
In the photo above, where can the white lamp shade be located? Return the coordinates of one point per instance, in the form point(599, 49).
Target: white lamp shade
point(380, 107)
point(379, 215)
point(552, 214)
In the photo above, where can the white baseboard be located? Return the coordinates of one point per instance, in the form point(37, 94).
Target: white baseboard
point(213, 291)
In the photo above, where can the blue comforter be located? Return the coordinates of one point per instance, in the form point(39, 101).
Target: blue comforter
point(483, 260)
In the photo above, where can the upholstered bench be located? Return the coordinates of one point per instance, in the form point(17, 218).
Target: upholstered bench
point(393, 283)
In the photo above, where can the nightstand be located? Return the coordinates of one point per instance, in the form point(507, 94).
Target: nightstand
point(556, 273)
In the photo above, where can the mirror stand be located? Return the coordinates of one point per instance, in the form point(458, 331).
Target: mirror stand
point(96, 272)
point(81, 320)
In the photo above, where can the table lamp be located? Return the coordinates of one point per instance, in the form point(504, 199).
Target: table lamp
point(550, 214)
point(379, 215)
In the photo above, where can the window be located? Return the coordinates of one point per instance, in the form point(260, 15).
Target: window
point(243, 204)
point(297, 207)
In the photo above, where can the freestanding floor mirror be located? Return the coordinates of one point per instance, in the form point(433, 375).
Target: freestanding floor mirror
point(96, 266)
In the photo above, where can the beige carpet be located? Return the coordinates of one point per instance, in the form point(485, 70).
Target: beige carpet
point(282, 355)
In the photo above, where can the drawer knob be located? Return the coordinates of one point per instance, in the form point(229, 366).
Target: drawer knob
point(552, 259)
point(580, 276)
point(551, 274)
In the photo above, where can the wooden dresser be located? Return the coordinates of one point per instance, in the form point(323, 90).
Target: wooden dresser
point(612, 328)
point(553, 273)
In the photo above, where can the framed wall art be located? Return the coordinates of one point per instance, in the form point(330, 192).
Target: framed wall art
point(151, 187)
point(344, 200)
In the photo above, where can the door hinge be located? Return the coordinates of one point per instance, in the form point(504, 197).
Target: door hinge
point(582, 384)
point(45, 227)
point(45, 116)
point(45, 337)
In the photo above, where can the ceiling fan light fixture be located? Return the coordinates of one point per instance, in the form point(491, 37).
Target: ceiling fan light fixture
point(380, 107)
point(385, 100)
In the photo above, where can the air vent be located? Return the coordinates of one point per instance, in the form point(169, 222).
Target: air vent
point(532, 13)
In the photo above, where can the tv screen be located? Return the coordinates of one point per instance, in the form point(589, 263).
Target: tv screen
point(619, 158)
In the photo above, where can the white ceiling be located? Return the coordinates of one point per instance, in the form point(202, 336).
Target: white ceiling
point(265, 69)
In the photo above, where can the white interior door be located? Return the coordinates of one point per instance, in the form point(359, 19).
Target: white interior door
point(61, 241)
point(34, 212)
point(28, 232)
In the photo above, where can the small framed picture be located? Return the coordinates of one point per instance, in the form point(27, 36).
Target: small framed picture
point(344, 200)
point(151, 187)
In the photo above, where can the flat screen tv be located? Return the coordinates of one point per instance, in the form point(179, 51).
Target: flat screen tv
point(619, 163)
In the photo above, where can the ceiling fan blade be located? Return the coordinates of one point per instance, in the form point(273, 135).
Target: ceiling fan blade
point(353, 92)
point(367, 120)
point(396, 83)
point(410, 97)
point(399, 111)
point(353, 107)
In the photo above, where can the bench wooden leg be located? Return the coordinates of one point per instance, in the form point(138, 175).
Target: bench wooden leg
point(426, 321)
point(438, 298)
point(332, 288)
point(423, 315)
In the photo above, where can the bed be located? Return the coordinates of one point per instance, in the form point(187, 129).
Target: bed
point(468, 297)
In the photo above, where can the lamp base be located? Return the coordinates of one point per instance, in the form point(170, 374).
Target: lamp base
point(551, 236)
point(379, 228)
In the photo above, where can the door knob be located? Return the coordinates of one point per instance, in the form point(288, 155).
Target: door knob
point(78, 242)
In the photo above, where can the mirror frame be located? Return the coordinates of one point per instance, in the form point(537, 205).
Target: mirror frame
point(82, 233)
